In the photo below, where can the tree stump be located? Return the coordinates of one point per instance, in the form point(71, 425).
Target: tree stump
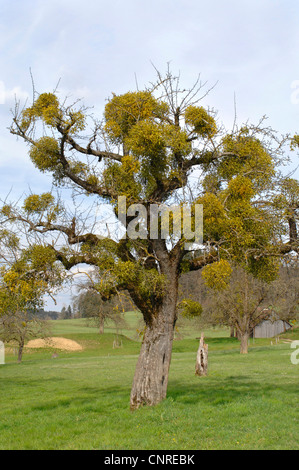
point(201, 367)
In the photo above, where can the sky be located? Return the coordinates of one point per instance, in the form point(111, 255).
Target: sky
point(249, 49)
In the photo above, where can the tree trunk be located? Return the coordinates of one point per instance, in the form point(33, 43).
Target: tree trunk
point(201, 367)
point(151, 375)
point(20, 351)
point(232, 332)
point(244, 343)
point(101, 324)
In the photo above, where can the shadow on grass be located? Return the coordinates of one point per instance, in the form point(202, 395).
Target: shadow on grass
point(87, 399)
point(228, 390)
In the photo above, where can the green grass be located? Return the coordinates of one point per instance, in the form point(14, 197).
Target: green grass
point(80, 400)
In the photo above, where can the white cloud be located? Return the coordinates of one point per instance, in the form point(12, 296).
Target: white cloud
point(12, 94)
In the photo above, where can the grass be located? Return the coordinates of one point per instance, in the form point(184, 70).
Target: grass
point(81, 399)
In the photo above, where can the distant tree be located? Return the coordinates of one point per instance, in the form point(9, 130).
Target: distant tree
point(63, 313)
point(66, 313)
point(26, 275)
point(284, 293)
point(20, 295)
point(20, 326)
point(69, 313)
point(47, 314)
point(246, 301)
point(89, 304)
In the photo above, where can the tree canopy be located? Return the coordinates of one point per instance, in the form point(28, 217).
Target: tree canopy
point(147, 146)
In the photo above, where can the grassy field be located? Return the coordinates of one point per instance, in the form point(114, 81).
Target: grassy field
point(80, 400)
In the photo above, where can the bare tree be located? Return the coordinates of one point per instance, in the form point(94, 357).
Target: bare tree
point(18, 327)
point(246, 302)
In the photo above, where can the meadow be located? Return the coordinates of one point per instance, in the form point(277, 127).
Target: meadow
point(80, 400)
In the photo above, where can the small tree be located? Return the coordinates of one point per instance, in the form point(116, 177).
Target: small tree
point(246, 301)
point(66, 313)
point(284, 293)
point(19, 298)
point(63, 313)
point(89, 304)
point(19, 327)
point(25, 277)
point(238, 304)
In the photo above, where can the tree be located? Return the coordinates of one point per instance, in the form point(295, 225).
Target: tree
point(241, 304)
point(20, 296)
point(89, 304)
point(17, 296)
point(69, 313)
point(145, 149)
point(63, 313)
point(66, 313)
point(19, 326)
point(284, 293)
point(26, 275)
point(246, 301)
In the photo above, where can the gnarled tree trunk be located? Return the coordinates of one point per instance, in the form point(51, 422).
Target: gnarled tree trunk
point(151, 374)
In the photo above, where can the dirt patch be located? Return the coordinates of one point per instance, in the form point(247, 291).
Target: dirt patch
point(55, 343)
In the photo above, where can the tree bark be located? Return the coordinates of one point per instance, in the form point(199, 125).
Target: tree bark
point(244, 343)
point(101, 324)
point(151, 374)
point(20, 351)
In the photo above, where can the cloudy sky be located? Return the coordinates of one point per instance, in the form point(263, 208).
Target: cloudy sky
point(249, 47)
